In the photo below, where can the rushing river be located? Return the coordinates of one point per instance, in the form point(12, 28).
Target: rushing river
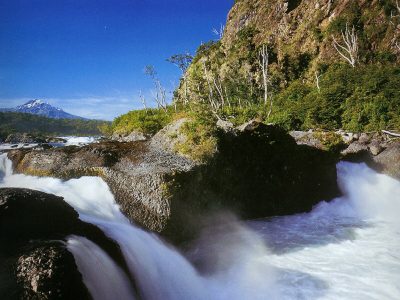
point(348, 248)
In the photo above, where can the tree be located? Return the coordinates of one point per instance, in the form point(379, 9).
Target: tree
point(264, 64)
point(220, 32)
point(317, 77)
point(160, 93)
point(349, 49)
point(182, 61)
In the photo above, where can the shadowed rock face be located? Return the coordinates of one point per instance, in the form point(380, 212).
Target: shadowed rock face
point(258, 171)
point(34, 262)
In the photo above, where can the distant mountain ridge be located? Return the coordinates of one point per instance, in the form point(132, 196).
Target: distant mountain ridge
point(41, 108)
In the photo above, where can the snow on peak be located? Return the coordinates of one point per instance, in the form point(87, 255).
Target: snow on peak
point(34, 103)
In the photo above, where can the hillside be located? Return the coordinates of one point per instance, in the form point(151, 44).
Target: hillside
point(12, 122)
point(320, 64)
point(309, 84)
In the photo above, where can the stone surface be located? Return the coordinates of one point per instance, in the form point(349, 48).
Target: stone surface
point(389, 160)
point(23, 138)
point(132, 137)
point(34, 262)
point(258, 171)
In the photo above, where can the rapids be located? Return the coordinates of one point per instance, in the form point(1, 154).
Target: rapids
point(348, 248)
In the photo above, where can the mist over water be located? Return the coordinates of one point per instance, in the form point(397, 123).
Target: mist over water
point(348, 248)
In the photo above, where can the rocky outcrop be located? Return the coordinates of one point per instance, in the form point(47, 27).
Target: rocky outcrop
point(379, 150)
point(257, 171)
point(298, 27)
point(132, 137)
point(24, 138)
point(34, 261)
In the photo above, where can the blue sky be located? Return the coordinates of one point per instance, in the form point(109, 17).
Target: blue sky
point(88, 56)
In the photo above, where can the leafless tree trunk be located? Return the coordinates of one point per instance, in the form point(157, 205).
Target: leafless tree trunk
point(317, 77)
point(219, 88)
point(349, 49)
point(143, 100)
point(213, 104)
point(264, 64)
point(329, 6)
point(160, 93)
point(220, 32)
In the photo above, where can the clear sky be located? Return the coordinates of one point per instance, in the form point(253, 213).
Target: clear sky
point(88, 56)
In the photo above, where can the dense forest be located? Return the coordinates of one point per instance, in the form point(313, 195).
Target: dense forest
point(11, 122)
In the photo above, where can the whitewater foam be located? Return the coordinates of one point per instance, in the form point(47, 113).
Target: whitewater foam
point(345, 249)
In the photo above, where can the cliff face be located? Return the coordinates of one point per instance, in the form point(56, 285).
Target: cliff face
point(311, 80)
point(297, 27)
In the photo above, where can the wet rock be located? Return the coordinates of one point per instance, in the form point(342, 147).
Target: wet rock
point(132, 137)
point(56, 140)
point(364, 138)
point(257, 171)
point(23, 138)
point(354, 148)
point(35, 263)
point(375, 147)
point(388, 161)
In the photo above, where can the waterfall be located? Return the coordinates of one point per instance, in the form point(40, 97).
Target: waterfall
point(347, 248)
point(103, 278)
point(5, 166)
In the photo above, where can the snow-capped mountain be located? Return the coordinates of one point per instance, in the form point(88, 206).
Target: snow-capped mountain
point(39, 107)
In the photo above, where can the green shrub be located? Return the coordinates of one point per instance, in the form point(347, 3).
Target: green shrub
point(147, 121)
point(201, 140)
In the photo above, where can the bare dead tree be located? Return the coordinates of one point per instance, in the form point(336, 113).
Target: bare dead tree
point(215, 105)
point(349, 49)
point(328, 10)
point(210, 89)
point(264, 64)
point(143, 100)
point(317, 77)
point(160, 93)
point(397, 44)
point(220, 90)
point(220, 32)
point(182, 61)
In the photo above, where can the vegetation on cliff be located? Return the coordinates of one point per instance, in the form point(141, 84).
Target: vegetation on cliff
point(300, 64)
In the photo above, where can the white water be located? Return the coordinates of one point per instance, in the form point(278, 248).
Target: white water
point(6, 146)
point(70, 141)
point(79, 140)
point(104, 281)
point(346, 249)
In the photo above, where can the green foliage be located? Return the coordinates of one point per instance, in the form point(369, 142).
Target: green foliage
point(239, 115)
point(12, 122)
point(365, 98)
point(200, 133)
point(388, 6)
point(147, 121)
point(331, 141)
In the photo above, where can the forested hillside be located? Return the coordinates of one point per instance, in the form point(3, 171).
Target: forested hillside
point(11, 122)
point(327, 64)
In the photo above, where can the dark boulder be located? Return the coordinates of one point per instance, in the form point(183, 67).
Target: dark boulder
point(35, 263)
point(24, 138)
point(257, 172)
